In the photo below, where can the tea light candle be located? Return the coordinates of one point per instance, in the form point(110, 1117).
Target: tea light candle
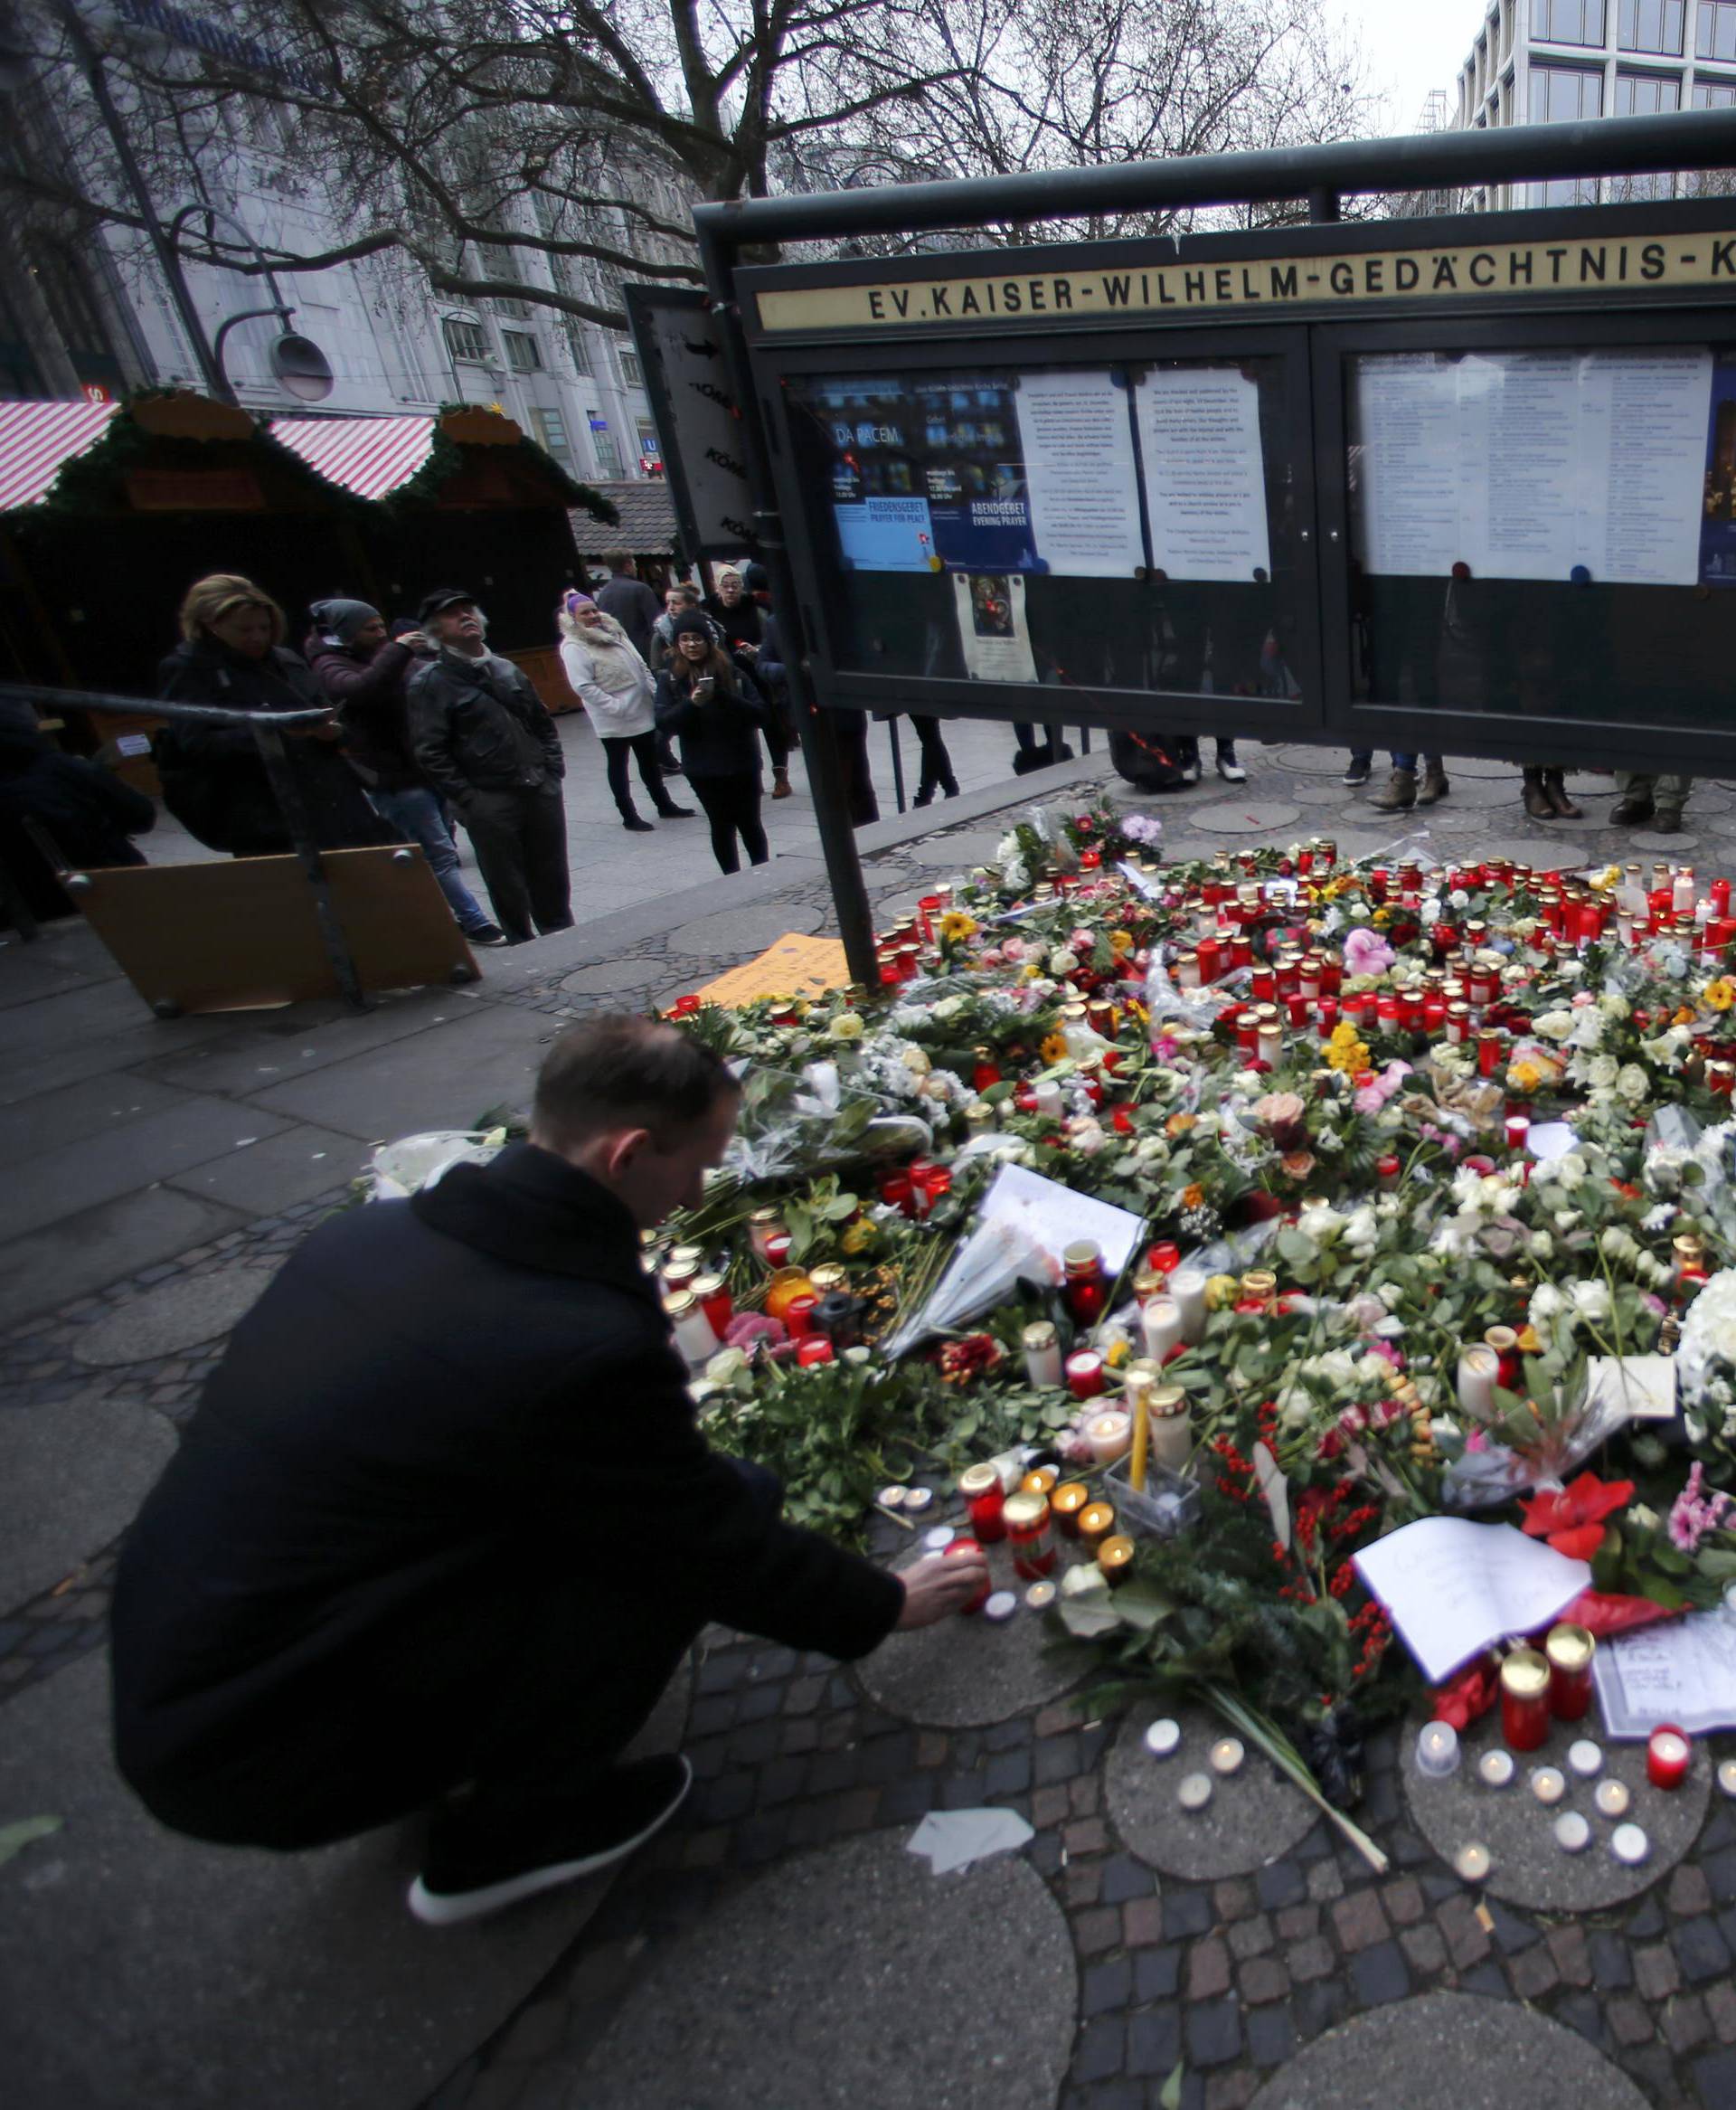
point(1495, 1768)
point(1548, 1784)
point(890, 1498)
point(1667, 1753)
point(1227, 1755)
point(1477, 1369)
point(1572, 1831)
point(1161, 1322)
point(1727, 1776)
point(1437, 1750)
point(1472, 1863)
point(1001, 1605)
point(1612, 1798)
point(1585, 1757)
point(1095, 1522)
point(1164, 1737)
point(1195, 1790)
point(1115, 1558)
point(1629, 1844)
point(1065, 1504)
point(1108, 1435)
point(917, 1499)
point(1188, 1289)
point(1040, 1596)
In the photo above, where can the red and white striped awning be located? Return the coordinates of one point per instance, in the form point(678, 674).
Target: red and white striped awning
point(368, 456)
point(36, 441)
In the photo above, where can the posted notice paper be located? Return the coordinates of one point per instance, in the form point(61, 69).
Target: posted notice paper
point(1682, 1671)
point(1080, 480)
point(1454, 1587)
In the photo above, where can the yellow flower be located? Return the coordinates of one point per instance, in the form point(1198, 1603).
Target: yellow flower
point(955, 923)
point(1121, 940)
point(858, 1236)
point(1192, 1197)
point(1346, 1051)
point(1719, 995)
point(1524, 1076)
point(1382, 918)
point(1117, 1353)
point(1054, 1047)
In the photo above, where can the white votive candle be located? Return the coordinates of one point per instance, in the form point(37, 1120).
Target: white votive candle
point(1495, 1769)
point(1548, 1784)
point(1164, 1737)
point(1612, 1798)
point(1227, 1755)
point(1162, 1323)
point(1187, 1290)
point(1195, 1790)
point(1437, 1750)
point(1585, 1757)
point(1108, 1435)
point(1040, 1596)
point(1727, 1776)
point(939, 1539)
point(1572, 1832)
point(1472, 1863)
point(1046, 1092)
point(1629, 1843)
point(1000, 1605)
point(1477, 1369)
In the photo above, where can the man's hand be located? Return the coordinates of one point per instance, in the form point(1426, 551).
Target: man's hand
point(940, 1585)
point(325, 728)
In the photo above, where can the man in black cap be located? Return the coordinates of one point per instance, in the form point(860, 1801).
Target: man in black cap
point(481, 735)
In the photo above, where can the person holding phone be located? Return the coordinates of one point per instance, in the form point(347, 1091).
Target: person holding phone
point(715, 706)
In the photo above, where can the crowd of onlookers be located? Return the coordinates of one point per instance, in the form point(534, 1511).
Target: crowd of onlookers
point(422, 729)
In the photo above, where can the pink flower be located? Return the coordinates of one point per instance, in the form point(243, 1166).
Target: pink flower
point(1014, 948)
point(749, 1329)
point(1366, 951)
point(1354, 1420)
point(1694, 1512)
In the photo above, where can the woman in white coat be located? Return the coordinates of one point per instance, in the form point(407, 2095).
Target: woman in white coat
point(615, 686)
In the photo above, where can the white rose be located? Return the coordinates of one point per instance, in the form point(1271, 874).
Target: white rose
point(1361, 1229)
point(1062, 962)
point(1542, 1246)
point(1555, 1025)
point(846, 1026)
point(1571, 1169)
point(1632, 1083)
point(1613, 1005)
point(1592, 1300)
point(1546, 1301)
point(916, 1061)
point(946, 1007)
point(1601, 1072)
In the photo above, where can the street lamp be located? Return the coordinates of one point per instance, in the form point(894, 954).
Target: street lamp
point(301, 369)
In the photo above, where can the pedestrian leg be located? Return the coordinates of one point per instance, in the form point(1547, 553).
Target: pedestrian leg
point(493, 820)
point(936, 763)
point(543, 820)
point(712, 793)
point(645, 751)
point(417, 813)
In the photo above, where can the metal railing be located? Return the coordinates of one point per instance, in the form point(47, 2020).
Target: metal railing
point(268, 728)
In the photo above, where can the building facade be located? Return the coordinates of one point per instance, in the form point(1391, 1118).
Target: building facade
point(79, 315)
point(1542, 61)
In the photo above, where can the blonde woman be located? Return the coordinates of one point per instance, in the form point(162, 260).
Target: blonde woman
point(231, 654)
point(618, 691)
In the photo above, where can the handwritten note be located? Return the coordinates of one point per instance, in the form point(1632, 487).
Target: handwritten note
point(1453, 1587)
point(1683, 1672)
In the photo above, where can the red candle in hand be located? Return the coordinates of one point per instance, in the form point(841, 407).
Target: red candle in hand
point(969, 1545)
point(1667, 1753)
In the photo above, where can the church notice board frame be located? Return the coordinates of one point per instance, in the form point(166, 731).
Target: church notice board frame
point(909, 382)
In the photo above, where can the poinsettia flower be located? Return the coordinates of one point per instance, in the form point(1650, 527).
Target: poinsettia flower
point(1604, 1612)
point(1469, 1693)
point(1572, 1519)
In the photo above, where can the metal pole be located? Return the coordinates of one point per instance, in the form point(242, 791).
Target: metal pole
point(91, 64)
point(818, 733)
point(898, 763)
point(269, 740)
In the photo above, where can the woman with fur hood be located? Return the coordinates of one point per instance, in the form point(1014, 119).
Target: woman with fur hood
point(605, 673)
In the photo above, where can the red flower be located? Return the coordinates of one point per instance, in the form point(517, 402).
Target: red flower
point(1469, 1693)
point(1572, 1520)
point(1604, 1612)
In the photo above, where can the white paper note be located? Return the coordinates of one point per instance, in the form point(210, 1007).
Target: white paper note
point(1205, 476)
point(953, 1839)
point(1638, 1388)
point(1682, 1670)
point(1453, 1587)
point(1079, 470)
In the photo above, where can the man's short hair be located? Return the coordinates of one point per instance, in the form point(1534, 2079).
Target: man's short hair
point(620, 1070)
point(616, 560)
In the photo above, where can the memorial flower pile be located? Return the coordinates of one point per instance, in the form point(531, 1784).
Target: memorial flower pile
point(1427, 1168)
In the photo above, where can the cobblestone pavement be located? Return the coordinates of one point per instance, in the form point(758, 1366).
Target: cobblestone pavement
point(1224, 1978)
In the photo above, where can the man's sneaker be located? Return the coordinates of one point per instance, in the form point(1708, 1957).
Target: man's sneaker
point(1228, 768)
point(633, 1803)
point(1362, 767)
point(486, 934)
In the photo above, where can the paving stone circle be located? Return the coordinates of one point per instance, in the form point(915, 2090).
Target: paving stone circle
point(168, 1321)
point(1448, 2048)
point(610, 976)
point(742, 930)
point(854, 1975)
point(1664, 845)
point(71, 1477)
point(962, 852)
point(968, 1672)
point(1526, 1866)
point(1258, 816)
point(1255, 1815)
point(1310, 761)
point(1320, 791)
point(1553, 853)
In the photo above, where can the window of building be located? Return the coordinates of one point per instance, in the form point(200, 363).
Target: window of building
point(519, 310)
point(551, 429)
point(1506, 28)
point(603, 445)
point(1569, 22)
point(1714, 30)
point(464, 339)
point(650, 452)
point(1559, 94)
point(1647, 95)
point(632, 373)
point(1651, 25)
point(1714, 95)
point(524, 352)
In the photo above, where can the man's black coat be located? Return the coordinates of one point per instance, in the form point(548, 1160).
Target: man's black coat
point(448, 1459)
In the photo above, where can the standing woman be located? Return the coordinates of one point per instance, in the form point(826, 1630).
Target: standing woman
point(717, 709)
point(231, 654)
point(617, 689)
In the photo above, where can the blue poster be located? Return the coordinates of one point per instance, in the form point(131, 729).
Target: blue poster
point(1718, 516)
point(885, 535)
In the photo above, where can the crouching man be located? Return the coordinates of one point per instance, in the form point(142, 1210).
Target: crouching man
point(443, 1524)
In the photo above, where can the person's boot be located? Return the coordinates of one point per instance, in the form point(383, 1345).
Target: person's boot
point(1399, 794)
point(1555, 791)
point(1630, 811)
point(1434, 786)
point(1538, 803)
point(949, 785)
point(633, 824)
point(1228, 768)
point(669, 811)
point(780, 784)
point(1666, 824)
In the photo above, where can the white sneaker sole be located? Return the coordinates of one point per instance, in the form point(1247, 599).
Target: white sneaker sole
point(437, 1908)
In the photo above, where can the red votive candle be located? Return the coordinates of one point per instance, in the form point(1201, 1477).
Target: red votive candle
point(1667, 1753)
point(1029, 1535)
point(965, 1544)
point(1569, 1650)
point(1525, 1700)
point(812, 1349)
point(986, 1498)
point(1085, 1374)
point(798, 1315)
point(1518, 1130)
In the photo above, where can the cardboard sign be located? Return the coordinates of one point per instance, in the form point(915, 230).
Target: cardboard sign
point(793, 965)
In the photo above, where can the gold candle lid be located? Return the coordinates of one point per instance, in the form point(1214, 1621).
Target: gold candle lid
point(686, 1255)
point(681, 1304)
point(1525, 1674)
point(1083, 1252)
point(831, 1275)
point(1259, 1283)
point(1570, 1647)
point(1039, 1336)
point(1501, 1338)
point(704, 1286)
point(1167, 1401)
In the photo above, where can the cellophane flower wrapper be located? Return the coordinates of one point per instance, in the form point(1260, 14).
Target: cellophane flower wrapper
point(795, 1121)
